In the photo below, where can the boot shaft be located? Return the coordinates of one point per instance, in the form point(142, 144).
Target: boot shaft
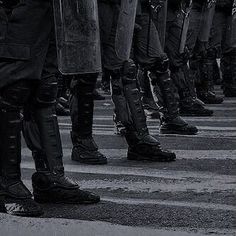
point(10, 157)
point(167, 95)
point(47, 123)
point(82, 104)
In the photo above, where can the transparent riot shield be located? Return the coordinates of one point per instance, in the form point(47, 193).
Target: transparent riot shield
point(77, 35)
point(207, 19)
point(161, 20)
point(125, 28)
point(185, 11)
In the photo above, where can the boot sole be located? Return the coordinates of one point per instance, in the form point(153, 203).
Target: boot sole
point(196, 114)
point(137, 157)
point(177, 132)
point(90, 162)
point(29, 214)
point(213, 103)
point(46, 201)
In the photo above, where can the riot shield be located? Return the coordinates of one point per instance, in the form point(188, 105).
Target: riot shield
point(125, 28)
point(185, 10)
point(77, 36)
point(233, 26)
point(161, 18)
point(207, 19)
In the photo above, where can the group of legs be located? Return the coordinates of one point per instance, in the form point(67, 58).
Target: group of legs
point(29, 85)
point(195, 71)
point(148, 57)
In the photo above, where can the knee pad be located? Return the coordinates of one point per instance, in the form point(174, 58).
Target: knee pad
point(46, 93)
point(16, 95)
point(211, 53)
point(122, 77)
point(129, 73)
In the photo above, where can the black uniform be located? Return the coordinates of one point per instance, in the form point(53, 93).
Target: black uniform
point(149, 55)
point(125, 93)
point(179, 60)
point(28, 77)
point(203, 63)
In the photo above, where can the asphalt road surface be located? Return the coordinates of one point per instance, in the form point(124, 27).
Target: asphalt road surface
point(193, 196)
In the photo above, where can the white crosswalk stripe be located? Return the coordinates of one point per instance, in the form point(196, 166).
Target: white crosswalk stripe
point(202, 179)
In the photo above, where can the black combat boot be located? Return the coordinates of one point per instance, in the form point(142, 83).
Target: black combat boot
point(205, 87)
point(187, 104)
point(16, 198)
point(129, 110)
point(208, 97)
point(56, 188)
point(143, 146)
point(171, 122)
point(50, 185)
point(86, 151)
point(84, 148)
point(177, 126)
point(192, 108)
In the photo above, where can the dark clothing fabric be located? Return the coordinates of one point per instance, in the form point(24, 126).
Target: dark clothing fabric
point(24, 41)
point(174, 4)
point(194, 27)
point(28, 67)
point(225, 5)
point(108, 17)
point(147, 46)
point(173, 37)
point(220, 32)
